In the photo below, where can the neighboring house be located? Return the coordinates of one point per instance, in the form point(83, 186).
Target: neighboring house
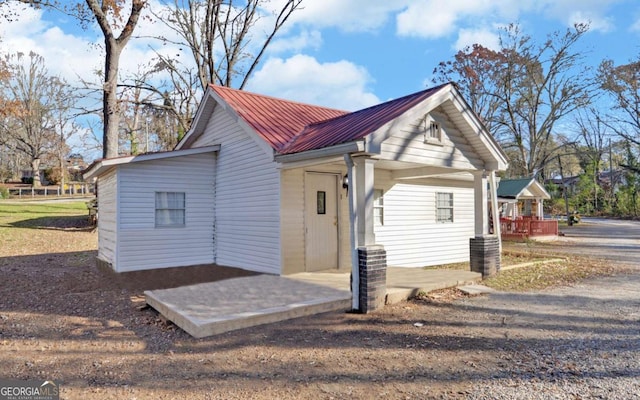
point(522, 197)
point(520, 202)
point(281, 187)
point(569, 182)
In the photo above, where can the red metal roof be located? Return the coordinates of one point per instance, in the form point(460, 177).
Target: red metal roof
point(277, 121)
point(355, 125)
point(291, 127)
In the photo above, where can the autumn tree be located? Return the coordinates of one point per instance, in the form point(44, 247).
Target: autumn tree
point(30, 128)
point(117, 28)
point(523, 90)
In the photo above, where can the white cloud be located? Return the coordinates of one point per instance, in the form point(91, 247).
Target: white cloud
point(340, 84)
point(484, 36)
point(434, 19)
point(348, 16)
point(594, 12)
point(304, 40)
point(66, 55)
point(595, 22)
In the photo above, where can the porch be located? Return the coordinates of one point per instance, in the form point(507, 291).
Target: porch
point(211, 308)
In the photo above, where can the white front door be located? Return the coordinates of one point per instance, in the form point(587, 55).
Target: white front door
point(321, 221)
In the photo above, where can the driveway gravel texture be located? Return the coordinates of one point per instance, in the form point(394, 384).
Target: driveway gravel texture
point(63, 319)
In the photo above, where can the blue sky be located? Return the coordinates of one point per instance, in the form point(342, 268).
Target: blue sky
point(351, 54)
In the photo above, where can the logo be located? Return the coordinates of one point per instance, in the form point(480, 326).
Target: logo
point(28, 390)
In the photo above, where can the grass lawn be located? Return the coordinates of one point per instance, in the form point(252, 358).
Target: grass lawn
point(36, 228)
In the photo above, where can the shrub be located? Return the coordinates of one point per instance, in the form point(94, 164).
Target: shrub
point(4, 192)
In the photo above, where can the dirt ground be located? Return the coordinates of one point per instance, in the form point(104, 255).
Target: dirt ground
point(63, 319)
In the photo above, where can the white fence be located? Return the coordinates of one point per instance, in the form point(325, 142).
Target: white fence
point(78, 189)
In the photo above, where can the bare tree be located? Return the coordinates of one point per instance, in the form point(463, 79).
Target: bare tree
point(222, 37)
point(226, 43)
point(622, 84)
point(523, 90)
point(168, 105)
point(109, 16)
point(30, 128)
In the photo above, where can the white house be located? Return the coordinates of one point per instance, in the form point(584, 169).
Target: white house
point(281, 187)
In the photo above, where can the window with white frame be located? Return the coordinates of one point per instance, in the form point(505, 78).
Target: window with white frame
point(444, 207)
point(170, 209)
point(378, 207)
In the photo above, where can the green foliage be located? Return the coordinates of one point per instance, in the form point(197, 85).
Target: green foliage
point(4, 192)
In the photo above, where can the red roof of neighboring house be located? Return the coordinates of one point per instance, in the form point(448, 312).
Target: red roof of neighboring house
point(291, 127)
point(277, 121)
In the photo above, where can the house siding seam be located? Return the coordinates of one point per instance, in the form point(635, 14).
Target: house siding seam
point(247, 197)
point(214, 254)
point(143, 246)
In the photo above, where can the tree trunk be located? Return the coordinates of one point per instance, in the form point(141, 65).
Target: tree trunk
point(110, 99)
point(35, 169)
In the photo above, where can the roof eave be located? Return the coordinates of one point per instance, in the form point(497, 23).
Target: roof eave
point(102, 166)
point(356, 146)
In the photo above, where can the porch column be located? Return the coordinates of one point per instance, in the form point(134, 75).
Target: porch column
point(481, 200)
point(369, 264)
point(485, 248)
point(495, 215)
point(365, 174)
point(540, 210)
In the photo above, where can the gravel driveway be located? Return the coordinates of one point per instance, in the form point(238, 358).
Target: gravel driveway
point(62, 319)
point(604, 238)
point(569, 343)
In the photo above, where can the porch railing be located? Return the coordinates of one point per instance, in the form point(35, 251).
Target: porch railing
point(527, 228)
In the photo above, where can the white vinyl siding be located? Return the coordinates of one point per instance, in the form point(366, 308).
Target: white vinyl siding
point(452, 150)
point(107, 227)
point(142, 245)
point(411, 236)
point(247, 197)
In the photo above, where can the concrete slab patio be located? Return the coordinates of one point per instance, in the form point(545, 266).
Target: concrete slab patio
point(211, 308)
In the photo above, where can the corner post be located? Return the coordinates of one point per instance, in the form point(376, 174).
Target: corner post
point(484, 249)
point(369, 262)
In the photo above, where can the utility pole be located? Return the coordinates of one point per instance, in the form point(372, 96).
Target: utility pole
point(564, 192)
point(611, 180)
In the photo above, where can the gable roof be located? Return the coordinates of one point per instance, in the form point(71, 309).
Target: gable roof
point(355, 125)
point(289, 128)
point(522, 187)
